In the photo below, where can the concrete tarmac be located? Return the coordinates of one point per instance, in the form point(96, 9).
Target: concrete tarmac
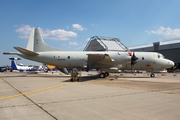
point(119, 97)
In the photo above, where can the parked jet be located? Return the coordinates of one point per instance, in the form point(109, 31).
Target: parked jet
point(38, 50)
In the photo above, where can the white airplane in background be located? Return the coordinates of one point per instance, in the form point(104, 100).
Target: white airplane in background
point(24, 68)
point(38, 50)
point(19, 67)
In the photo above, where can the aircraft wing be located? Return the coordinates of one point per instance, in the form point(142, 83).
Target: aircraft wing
point(26, 52)
point(99, 60)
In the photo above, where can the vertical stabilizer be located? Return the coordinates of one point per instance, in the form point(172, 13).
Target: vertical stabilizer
point(30, 45)
point(37, 44)
point(13, 65)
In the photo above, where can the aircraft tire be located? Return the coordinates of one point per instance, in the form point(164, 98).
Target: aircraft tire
point(106, 74)
point(152, 75)
point(72, 80)
point(102, 75)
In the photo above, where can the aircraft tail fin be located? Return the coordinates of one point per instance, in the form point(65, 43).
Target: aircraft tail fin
point(37, 44)
point(13, 65)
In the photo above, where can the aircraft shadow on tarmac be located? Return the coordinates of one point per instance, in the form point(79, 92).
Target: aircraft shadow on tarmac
point(81, 79)
point(66, 77)
point(111, 77)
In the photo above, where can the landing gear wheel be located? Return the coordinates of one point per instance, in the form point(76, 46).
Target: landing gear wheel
point(102, 75)
point(106, 74)
point(152, 75)
point(72, 80)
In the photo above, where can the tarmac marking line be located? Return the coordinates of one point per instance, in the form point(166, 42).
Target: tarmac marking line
point(35, 91)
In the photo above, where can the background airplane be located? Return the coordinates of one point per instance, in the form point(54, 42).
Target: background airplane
point(19, 67)
point(24, 68)
point(38, 50)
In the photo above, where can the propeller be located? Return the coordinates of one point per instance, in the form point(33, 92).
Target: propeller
point(133, 60)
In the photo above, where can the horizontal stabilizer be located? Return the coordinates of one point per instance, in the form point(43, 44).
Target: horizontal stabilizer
point(6, 53)
point(26, 52)
point(11, 53)
point(14, 58)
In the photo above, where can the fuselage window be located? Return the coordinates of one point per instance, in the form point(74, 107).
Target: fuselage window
point(68, 57)
point(143, 58)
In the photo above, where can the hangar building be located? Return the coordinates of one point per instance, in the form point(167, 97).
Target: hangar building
point(98, 43)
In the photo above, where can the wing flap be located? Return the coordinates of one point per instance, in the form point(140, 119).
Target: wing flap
point(26, 52)
point(99, 60)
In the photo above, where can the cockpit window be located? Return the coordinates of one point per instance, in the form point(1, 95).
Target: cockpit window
point(160, 56)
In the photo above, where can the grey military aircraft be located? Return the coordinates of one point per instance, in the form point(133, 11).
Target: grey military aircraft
point(38, 50)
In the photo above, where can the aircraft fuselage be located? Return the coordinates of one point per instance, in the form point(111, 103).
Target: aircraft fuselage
point(121, 60)
point(76, 59)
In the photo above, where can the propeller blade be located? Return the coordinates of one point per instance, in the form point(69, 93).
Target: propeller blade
point(133, 59)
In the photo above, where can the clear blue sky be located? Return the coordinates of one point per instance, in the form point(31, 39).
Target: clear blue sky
point(67, 24)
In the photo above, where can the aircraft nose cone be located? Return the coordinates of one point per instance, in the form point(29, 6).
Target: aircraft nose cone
point(170, 64)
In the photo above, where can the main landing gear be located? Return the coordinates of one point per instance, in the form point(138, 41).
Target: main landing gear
point(74, 76)
point(103, 74)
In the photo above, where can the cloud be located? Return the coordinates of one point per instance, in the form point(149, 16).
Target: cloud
point(78, 27)
point(93, 25)
point(58, 34)
point(24, 31)
point(73, 43)
point(166, 32)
